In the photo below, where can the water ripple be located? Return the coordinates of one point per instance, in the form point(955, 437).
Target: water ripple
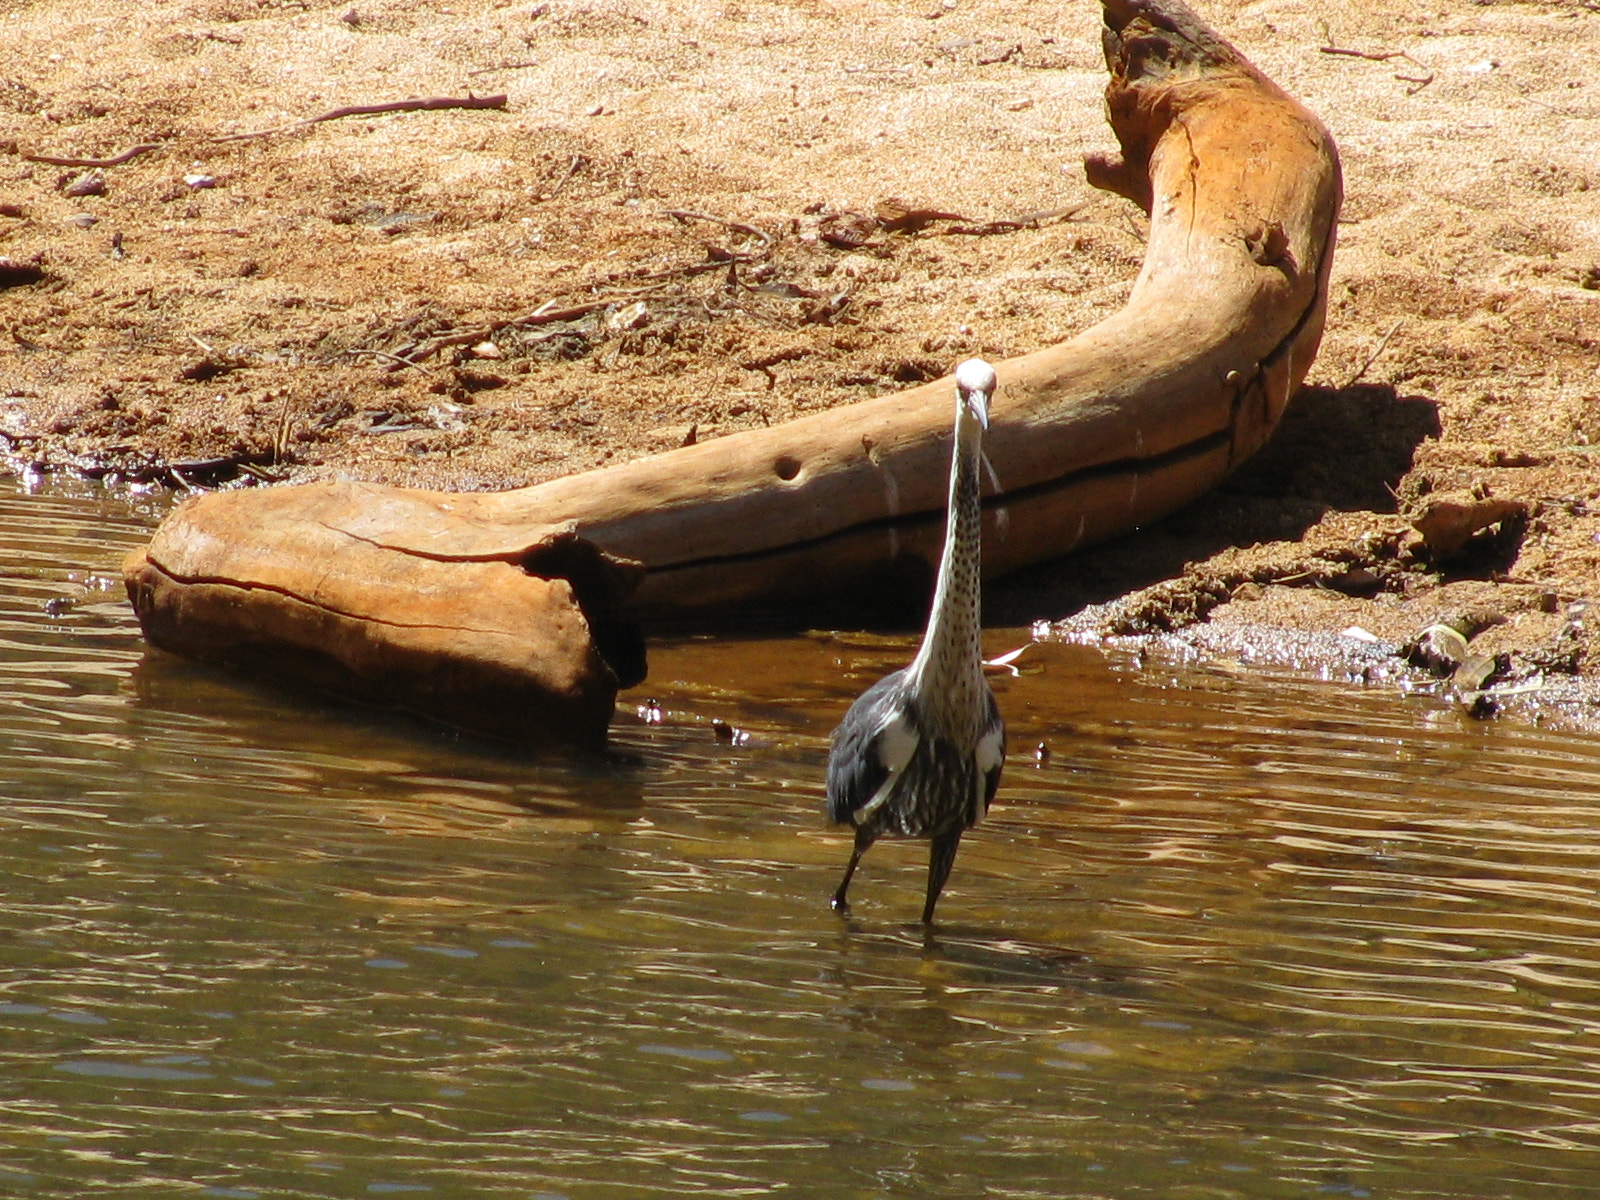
point(1238, 937)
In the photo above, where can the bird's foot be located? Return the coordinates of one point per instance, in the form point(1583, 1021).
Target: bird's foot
point(840, 905)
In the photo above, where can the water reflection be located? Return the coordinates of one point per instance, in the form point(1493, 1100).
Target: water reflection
point(1235, 938)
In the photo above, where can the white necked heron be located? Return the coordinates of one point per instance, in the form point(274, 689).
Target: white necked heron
point(919, 752)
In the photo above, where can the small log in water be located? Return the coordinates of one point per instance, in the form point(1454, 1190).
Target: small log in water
point(509, 612)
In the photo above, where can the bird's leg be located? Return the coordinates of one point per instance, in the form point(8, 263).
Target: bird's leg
point(941, 857)
point(839, 904)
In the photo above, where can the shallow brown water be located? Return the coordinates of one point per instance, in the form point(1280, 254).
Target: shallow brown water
point(1243, 935)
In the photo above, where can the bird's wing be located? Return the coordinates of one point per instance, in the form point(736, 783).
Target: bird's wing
point(871, 748)
point(991, 756)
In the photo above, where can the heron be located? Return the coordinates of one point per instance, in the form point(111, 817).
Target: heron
point(919, 752)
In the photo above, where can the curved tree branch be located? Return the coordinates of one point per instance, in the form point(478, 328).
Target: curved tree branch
point(1089, 438)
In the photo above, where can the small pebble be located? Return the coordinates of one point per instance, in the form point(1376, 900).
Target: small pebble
point(1439, 649)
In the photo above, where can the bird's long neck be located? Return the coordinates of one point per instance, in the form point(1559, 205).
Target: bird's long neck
point(949, 662)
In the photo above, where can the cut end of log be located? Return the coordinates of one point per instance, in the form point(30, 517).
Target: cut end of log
point(602, 586)
point(531, 651)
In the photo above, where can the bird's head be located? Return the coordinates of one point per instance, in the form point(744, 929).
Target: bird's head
point(975, 384)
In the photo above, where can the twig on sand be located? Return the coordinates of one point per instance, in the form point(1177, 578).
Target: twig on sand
point(545, 314)
point(1417, 82)
point(1369, 55)
point(280, 438)
point(426, 104)
point(394, 358)
point(198, 474)
point(350, 110)
point(509, 66)
point(115, 160)
point(679, 214)
point(1383, 344)
point(577, 164)
point(1032, 220)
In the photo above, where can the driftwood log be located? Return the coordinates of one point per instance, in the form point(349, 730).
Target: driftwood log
point(516, 613)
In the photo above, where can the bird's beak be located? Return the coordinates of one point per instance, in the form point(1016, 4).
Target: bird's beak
point(978, 405)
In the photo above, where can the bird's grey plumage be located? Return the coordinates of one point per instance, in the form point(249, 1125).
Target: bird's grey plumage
point(919, 752)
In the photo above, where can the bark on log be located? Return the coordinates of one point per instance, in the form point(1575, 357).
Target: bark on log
point(424, 598)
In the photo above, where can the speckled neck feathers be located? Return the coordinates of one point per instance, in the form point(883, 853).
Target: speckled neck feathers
point(946, 677)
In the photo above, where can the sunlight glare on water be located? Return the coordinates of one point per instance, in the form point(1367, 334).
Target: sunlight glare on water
point(1242, 935)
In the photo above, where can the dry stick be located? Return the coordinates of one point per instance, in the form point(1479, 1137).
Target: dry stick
point(428, 104)
point(1417, 82)
point(696, 268)
point(114, 161)
point(516, 66)
point(681, 214)
point(1369, 55)
point(545, 315)
point(280, 440)
point(352, 110)
point(1031, 220)
point(573, 167)
point(1381, 56)
point(540, 316)
point(1383, 345)
point(395, 358)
